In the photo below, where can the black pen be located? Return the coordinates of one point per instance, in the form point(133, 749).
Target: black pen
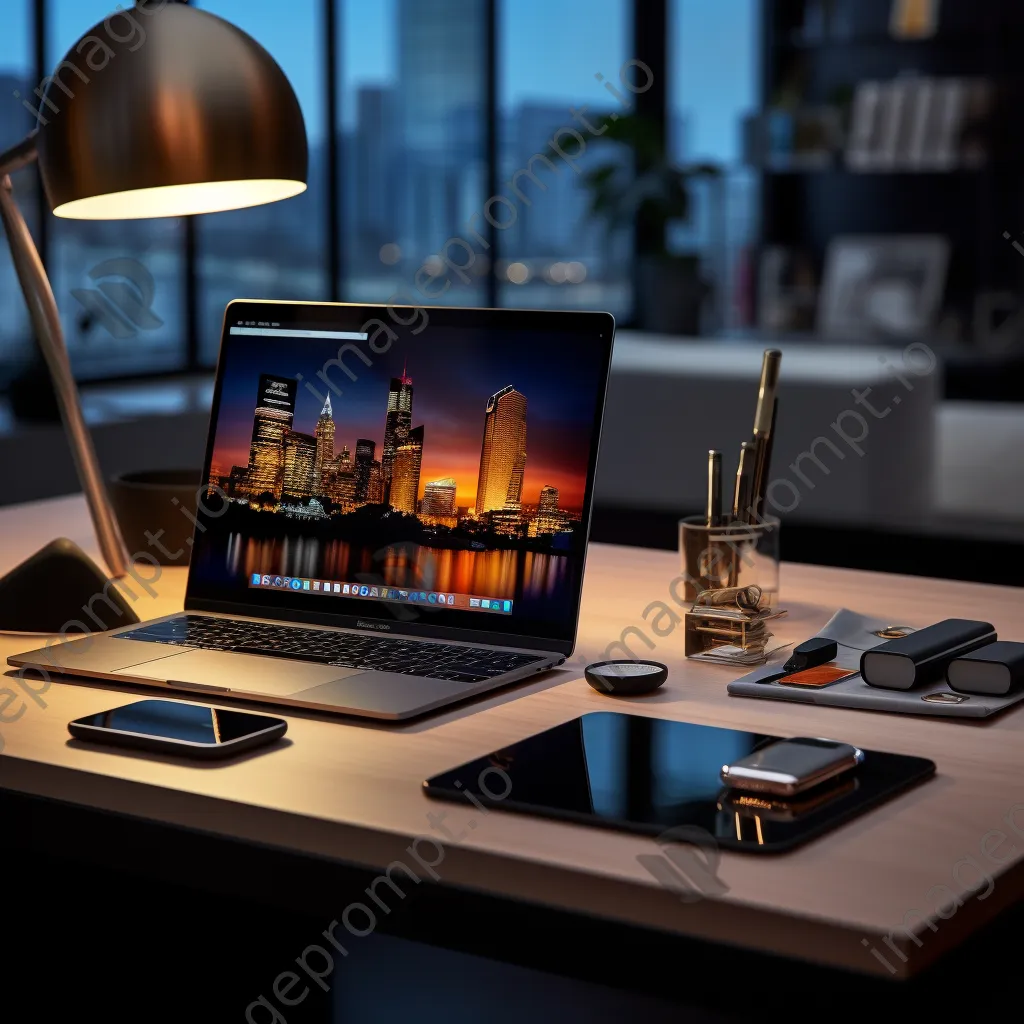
point(713, 513)
point(741, 498)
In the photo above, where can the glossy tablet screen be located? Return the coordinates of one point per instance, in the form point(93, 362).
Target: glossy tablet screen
point(651, 775)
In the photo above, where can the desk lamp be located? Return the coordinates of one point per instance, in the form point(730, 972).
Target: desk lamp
point(196, 118)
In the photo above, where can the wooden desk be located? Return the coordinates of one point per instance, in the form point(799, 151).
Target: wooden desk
point(350, 791)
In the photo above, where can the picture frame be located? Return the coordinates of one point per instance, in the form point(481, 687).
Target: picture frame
point(882, 286)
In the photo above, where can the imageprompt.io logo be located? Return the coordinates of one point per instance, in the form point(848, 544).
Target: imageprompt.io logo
point(122, 300)
point(687, 865)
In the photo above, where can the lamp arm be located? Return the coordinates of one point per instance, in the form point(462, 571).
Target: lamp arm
point(21, 155)
point(46, 323)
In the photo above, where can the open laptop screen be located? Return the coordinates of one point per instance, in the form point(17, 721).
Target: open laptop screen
point(413, 470)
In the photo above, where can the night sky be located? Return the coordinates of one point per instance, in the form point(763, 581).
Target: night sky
point(453, 372)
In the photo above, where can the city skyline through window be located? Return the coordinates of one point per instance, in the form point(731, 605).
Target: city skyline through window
point(411, 148)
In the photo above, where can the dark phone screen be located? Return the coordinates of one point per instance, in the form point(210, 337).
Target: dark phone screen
point(190, 723)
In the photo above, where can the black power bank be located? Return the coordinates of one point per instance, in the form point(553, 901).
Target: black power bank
point(993, 669)
point(922, 656)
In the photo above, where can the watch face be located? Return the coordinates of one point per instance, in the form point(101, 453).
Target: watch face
point(945, 698)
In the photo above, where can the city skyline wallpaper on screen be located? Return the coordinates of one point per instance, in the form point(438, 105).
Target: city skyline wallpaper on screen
point(449, 395)
point(456, 461)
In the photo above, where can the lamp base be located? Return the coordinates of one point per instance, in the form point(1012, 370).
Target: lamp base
point(60, 589)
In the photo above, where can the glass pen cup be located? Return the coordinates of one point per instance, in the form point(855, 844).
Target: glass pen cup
point(734, 554)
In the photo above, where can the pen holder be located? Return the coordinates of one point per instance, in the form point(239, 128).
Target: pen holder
point(731, 555)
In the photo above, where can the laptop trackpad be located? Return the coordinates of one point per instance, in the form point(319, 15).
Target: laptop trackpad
point(250, 673)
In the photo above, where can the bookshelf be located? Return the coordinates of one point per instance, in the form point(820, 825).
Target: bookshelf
point(813, 62)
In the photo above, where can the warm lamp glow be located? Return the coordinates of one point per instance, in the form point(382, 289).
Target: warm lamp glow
point(198, 120)
point(181, 200)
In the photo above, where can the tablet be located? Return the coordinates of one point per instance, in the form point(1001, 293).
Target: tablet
point(651, 776)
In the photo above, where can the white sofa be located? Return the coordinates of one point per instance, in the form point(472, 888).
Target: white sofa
point(672, 399)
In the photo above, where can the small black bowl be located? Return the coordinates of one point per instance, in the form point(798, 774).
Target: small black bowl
point(154, 509)
point(625, 678)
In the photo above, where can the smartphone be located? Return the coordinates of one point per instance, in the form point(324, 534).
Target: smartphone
point(791, 766)
point(180, 729)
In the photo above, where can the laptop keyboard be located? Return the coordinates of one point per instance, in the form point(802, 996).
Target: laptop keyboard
point(328, 647)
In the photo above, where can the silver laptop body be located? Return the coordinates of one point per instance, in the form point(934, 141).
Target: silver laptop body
point(328, 570)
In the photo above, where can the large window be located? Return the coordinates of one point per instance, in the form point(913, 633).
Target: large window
point(452, 147)
point(15, 123)
point(713, 50)
point(412, 138)
point(553, 58)
point(277, 251)
point(119, 285)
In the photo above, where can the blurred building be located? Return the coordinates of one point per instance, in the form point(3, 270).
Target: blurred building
point(553, 222)
point(440, 76)
point(376, 169)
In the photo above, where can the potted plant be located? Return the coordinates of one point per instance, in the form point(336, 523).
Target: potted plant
point(647, 192)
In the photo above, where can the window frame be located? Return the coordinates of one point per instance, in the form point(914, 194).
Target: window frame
point(649, 20)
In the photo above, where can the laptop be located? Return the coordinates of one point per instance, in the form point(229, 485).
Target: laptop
point(393, 515)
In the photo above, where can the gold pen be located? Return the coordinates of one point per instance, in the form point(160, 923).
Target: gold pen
point(764, 418)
